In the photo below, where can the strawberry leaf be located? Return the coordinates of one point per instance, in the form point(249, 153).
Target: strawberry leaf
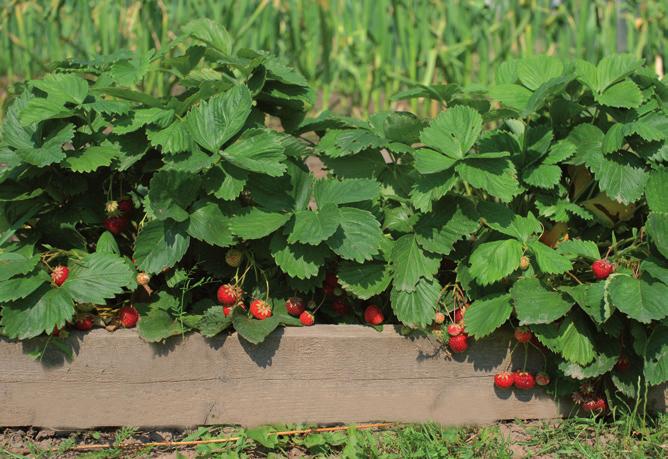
point(641, 299)
point(487, 314)
point(160, 245)
point(96, 277)
point(410, 263)
point(418, 306)
point(364, 280)
point(506, 255)
point(534, 304)
point(38, 313)
point(358, 237)
point(454, 131)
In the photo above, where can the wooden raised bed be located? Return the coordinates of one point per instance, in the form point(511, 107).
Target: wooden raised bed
point(323, 374)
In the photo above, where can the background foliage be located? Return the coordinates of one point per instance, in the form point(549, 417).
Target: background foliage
point(352, 52)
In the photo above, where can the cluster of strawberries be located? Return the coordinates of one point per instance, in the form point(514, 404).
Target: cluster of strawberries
point(521, 379)
point(458, 340)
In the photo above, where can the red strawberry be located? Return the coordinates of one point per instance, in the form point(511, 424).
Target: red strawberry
point(59, 275)
point(128, 316)
point(340, 307)
point(602, 269)
point(542, 379)
point(504, 380)
point(260, 309)
point(601, 405)
point(227, 310)
point(295, 306)
point(125, 206)
point(590, 405)
point(373, 315)
point(439, 318)
point(116, 225)
point(228, 294)
point(84, 323)
point(459, 314)
point(331, 280)
point(524, 380)
point(523, 334)
point(306, 318)
point(623, 363)
point(458, 343)
point(455, 329)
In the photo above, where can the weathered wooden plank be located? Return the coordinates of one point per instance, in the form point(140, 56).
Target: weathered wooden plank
point(319, 374)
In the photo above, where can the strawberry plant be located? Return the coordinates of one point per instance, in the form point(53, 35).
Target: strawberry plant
point(537, 204)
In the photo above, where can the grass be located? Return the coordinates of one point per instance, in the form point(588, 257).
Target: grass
point(361, 50)
point(575, 437)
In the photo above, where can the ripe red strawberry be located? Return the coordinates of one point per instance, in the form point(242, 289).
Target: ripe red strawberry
point(523, 334)
point(623, 363)
point(455, 329)
point(542, 379)
point(601, 405)
point(128, 316)
point(260, 309)
point(524, 380)
point(524, 263)
point(125, 206)
point(331, 280)
point(459, 314)
point(116, 225)
point(590, 405)
point(84, 323)
point(504, 380)
point(340, 307)
point(373, 315)
point(227, 310)
point(458, 343)
point(233, 258)
point(306, 318)
point(439, 318)
point(228, 294)
point(602, 269)
point(295, 306)
point(59, 275)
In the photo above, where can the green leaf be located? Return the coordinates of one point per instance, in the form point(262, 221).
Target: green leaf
point(142, 117)
point(590, 297)
point(172, 139)
point(213, 322)
point(214, 122)
point(259, 151)
point(549, 260)
point(535, 71)
point(601, 365)
point(543, 176)
point(579, 248)
point(620, 175)
point(625, 94)
point(297, 260)
point(502, 219)
point(158, 325)
point(92, 158)
point(506, 255)
point(576, 340)
point(615, 67)
point(160, 245)
point(437, 231)
point(354, 141)
point(496, 176)
point(210, 32)
point(656, 190)
point(534, 304)
point(330, 191)
point(51, 150)
point(454, 131)
point(418, 306)
point(410, 263)
point(314, 227)
point(97, 277)
point(208, 224)
point(252, 330)
point(359, 235)
point(641, 299)
point(106, 243)
point(255, 223)
point(511, 95)
point(655, 270)
point(429, 161)
point(18, 262)
point(656, 356)
point(431, 187)
point(65, 87)
point(20, 287)
point(39, 313)
point(487, 314)
point(364, 280)
point(657, 228)
point(171, 192)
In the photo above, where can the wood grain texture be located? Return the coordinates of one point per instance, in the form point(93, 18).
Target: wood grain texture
point(321, 374)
